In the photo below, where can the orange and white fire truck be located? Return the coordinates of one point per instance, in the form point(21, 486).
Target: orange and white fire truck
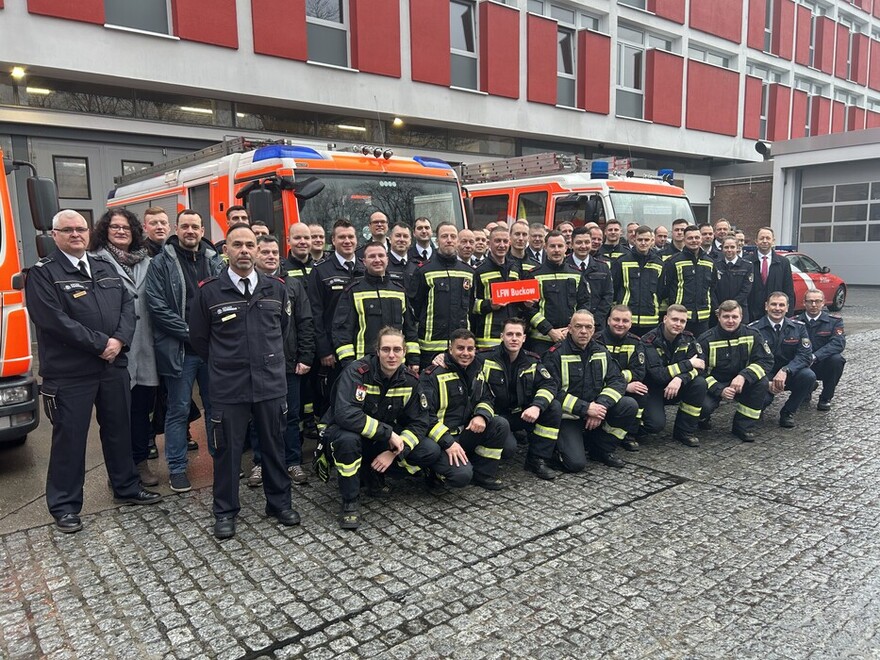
point(281, 182)
point(552, 187)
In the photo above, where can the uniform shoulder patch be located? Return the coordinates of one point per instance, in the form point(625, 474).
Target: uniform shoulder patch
point(648, 338)
point(45, 260)
point(543, 371)
point(751, 276)
point(206, 280)
point(553, 348)
point(360, 392)
point(423, 400)
point(641, 357)
point(532, 354)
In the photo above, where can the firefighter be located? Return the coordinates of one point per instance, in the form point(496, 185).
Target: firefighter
point(688, 280)
point(299, 262)
point(368, 305)
point(737, 361)
point(462, 418)
point(488, 317)
point(524, 395)
point(792, 354)
point(378, 419)
point(828, 340)
point(636, 277)
point(613, 248)
point(563, 290)
point(626, 348)
point(676, 243)
point(734, 275)
point(443, 295)
point(673, 361)
point(596, 414)
point(596, 271)
point(400, 266)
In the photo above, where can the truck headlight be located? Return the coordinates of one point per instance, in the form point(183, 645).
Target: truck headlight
point(12, 395)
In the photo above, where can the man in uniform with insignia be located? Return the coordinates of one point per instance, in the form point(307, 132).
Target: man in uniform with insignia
point(828, 341)
point(734, 276)
point(238, 324)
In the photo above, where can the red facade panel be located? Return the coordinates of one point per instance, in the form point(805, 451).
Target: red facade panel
point(370, 54)
point(757, 22)
point(841, 52)
point(594, 72)
point(802, 35)
point(824, 55)
point(206, 21)
point(705, 82)
point(280, 28)
point(799, 100)
point(838, 116)
point(723, 19)
point(820, 115)
point(499, 50)
point(876, 8)
point(874, 65)
point(782, 34)
point(859, 65)
point(777, 112)
point(872, 119)
point(88, 11)
point(752, 109)
point(541, 44)
point(663, 87)
point(855, 118)
point(429, 39)
point(672, 10)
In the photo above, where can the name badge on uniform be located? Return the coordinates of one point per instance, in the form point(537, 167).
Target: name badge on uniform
point(228, 317)
point(80, 294)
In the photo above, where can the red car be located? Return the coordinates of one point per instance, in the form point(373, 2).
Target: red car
point(808, 275)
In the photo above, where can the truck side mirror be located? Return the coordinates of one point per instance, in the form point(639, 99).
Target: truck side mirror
point(43, 200)
point(308, 188)
point(260, 206)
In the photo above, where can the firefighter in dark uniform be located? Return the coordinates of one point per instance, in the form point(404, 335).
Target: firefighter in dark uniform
point(299, 262)
point(737, 360)
point(401, 267)
point(328, 279)
point(563, 290)
point(238, 323)
point(596, 271)
point(828, 340)
point(626, 349)
point(674, 362)
point(524, 395)
point(734, 276)
point(595, 412)
point(688, 280)
point(676, 242)
point(85, 320)
point(613, 248)
point(378, 417)
point(368, 305)
point(488, 317)
point(461, 417)
point(792, 354)
point(443, 295)
point(636, 277)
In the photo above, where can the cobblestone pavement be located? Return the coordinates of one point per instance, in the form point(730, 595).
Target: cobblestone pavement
point(764, 550)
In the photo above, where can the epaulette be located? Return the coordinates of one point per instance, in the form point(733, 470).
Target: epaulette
point(532, 354)
point(279, 278)
point(687, 333)
point(206, 280)
point(648, 338)
point(407, 369)
point(45, 260)
point(431, 368)
point(100, 257)
point(794, 320)
point(364, 368)
point(553, 348)
point(632, 335)
point(321, 260)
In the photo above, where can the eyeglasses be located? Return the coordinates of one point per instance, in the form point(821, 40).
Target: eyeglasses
point(120, 228)
point(73, 230)
point(813, 302)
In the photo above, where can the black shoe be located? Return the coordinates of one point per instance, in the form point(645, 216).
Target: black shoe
point(192, 445)
point(612, 461)
point(350, 515)
point(689, 440)
point(68, 523)
point(540, 468)
point(786, 420)
point(489, 483)
point(141, 497)
point(376, 484)
point(746, 436)
point(630, 443)
point(823, 405)
point(224, 528)
point(287, 517)
point(705, 424)
point(434, 483)
point(153, 453)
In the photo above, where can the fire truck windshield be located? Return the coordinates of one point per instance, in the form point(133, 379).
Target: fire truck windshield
point(402, 199)
point(651, 210)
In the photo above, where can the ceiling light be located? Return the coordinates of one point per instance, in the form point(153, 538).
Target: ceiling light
point(397, 123)
point(349, 127)
point(18, 72)
point(201, 111)
point(38, 90)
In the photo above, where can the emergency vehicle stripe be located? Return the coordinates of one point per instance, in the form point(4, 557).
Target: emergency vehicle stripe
point(348, 469)
point(484, 407)
point(620, 434)
point(611, 393)
point(371, 426)
point(745, 411)
point(544, 394)
point(568, 403)
point(547, 432)
point(688, 409)
point(488, 452)
point(410, 439)
point(438, 431)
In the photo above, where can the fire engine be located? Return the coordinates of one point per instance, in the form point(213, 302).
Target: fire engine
point(282, 182)
point(553, 187)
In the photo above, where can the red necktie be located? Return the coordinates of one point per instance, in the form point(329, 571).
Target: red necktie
point(764, 268)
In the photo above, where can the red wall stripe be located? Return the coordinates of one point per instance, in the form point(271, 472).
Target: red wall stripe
point(872, 119)
point(838, 116)
point(594, 72)
point(782, 34)
point(541, 44)
point(672, 10)
point(777, 112)
point(375, 36)
point(664, 73)
point(723, 19)
point(429, 41)
point(206, 21)
point(798, 113)
point(499, 50)
point(824, 56)
point(752, 108)
point(755, 28)
point(279, 28)
point(841, 51)
point(859, 67)
point(705, 81)
point(876, 10)
point(802, 36)
point(820, 115)
point(855, 118)
point(874, 65)
point(87, 11)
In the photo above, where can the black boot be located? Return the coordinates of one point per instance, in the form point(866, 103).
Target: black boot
point(540, 468)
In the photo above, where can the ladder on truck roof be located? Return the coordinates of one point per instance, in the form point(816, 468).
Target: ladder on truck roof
point(522, 167)
point(233, 146)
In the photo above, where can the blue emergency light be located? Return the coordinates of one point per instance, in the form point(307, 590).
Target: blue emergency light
point(599, 169)
point(286, 151)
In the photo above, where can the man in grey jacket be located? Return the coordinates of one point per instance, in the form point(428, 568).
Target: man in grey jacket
point(172, 280)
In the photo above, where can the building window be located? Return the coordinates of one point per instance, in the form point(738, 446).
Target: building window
point(72, 177)
point(851, 101)
point(132, 166)
point(630, 73)
point(327, 31)
point(813, 90)
point(565, 67)
point(463, 41)
point(840, 213)
point(768, 76)
point(638, 4)
point(708, 56)
point(146, 15)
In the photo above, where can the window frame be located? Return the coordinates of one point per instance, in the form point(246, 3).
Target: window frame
point(475, 55)
point(169, 19)
point(343, 26)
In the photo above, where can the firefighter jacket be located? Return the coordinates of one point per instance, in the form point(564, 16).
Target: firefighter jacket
point(733, 281)
point(401, 270)
point(443, 296)
point(326, 282)
point(689, 280)
point(598, 275)
point(373, 406)
point(790, 346)
point(742, 352)
point(487, 322)
point(584, 375)
point(517, 385)
point(627, 351)
point(299, 346)
point(293, 267)
point(826, 334)
point(364, 308)
point(454, 396)
point(665, 360)
point(668, 250)
point(613, 252)
point(563, 291)
point(637, 280)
